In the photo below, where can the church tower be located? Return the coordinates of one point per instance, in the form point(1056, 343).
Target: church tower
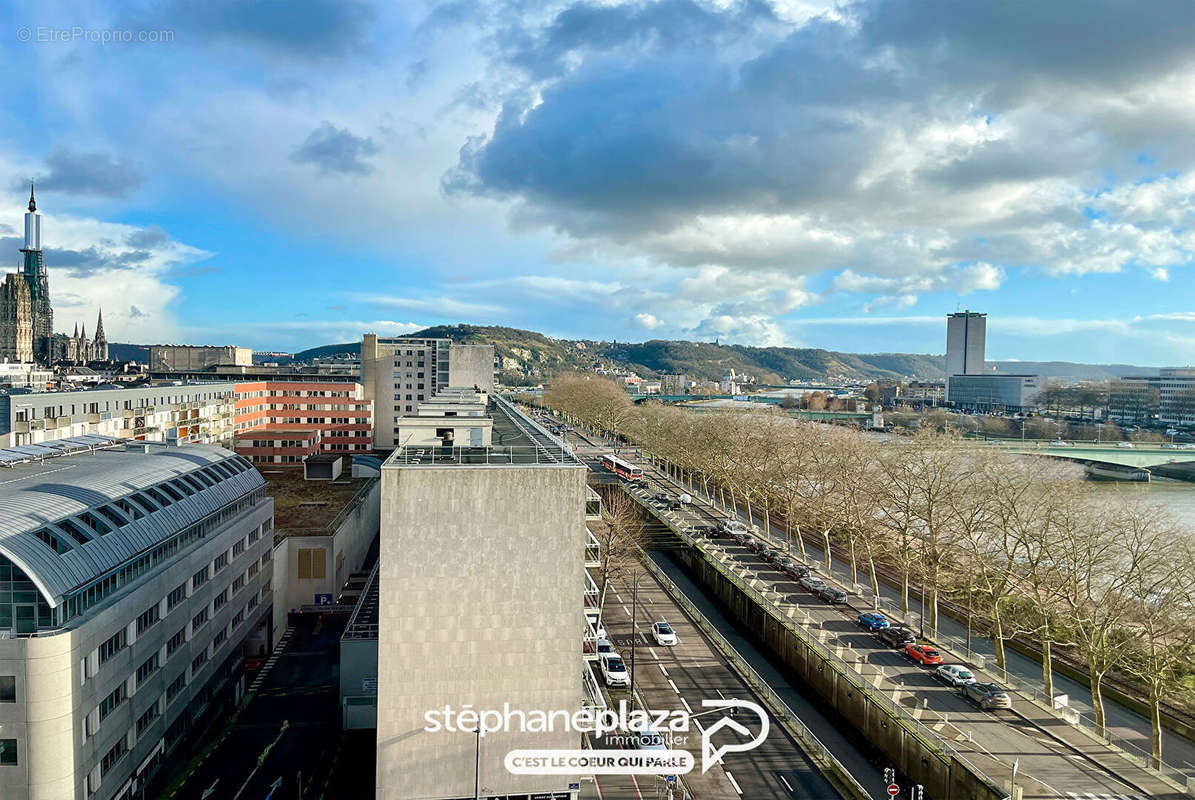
point(99, 351)
point(34, 271)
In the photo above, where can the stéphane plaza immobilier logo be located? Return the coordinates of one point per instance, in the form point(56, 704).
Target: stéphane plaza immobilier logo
point(643, 742)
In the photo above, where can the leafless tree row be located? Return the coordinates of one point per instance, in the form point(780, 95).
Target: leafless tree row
point(1105, 578)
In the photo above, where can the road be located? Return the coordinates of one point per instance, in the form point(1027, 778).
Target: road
point(293, 720)
point(1053, 760)
point(680, 677)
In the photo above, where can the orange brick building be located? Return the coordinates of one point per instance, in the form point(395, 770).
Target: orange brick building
point(306, 416)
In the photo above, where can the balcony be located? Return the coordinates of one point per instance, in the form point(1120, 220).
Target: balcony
point(593, 551)
point(593, 504)
point(20, 426)
point(93, 419)
point(593, 688)
point(591, 592)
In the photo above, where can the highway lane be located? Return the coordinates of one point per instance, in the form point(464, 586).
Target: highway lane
point(1048, 767)
point(680, 677)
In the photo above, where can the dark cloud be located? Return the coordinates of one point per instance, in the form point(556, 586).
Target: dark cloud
point(634, 118)
point(136, 313)
point(316, 29)
point(335, 149)
point(82, 173)
point(147, 237)
point(88, 262)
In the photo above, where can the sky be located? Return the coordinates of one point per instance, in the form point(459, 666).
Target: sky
point(799, 173)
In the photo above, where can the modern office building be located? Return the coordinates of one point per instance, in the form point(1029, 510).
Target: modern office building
point(1168, 397)
point(24, 376)
point(182, 357)
point(993, 392)
point(325, 416)
point(466, 609)
point(966, 334)
point(399, 373)
point(182, 414)
point(134, 580)
point(673, 384)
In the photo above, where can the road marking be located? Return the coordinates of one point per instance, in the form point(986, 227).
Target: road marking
point(624, 608)
point(733, 782)
point(786, 785)
point(635, 786)
point(653, 655)
point(673, 685)
point(685, 703)
point(661, 666)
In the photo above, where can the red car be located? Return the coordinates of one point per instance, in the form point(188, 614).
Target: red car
point(924, 654)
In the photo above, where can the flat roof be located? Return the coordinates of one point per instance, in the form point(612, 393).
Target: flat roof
point(518, 440)
point(308, 508)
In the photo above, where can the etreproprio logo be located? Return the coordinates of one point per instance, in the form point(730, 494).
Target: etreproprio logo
point(655, 729)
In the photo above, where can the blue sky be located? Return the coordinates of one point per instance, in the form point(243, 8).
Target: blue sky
point(803, 173)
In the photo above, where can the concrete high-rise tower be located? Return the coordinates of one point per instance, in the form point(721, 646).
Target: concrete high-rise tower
point(966, 336)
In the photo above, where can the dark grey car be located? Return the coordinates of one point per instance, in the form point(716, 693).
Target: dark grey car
point(987, 695)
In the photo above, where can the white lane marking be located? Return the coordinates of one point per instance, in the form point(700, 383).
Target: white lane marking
point(733, 782)
point(653, 655)
point(786, 785)
point(635, 786)
point(624, 608)
point(685, 703)
point(661, 666)
point(673, 685)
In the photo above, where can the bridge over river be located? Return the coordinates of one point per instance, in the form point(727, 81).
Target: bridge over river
point(1112, 460)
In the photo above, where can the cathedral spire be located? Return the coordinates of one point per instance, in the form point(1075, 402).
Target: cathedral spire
point(32, 202)
point(99, 327)
point(75, 335)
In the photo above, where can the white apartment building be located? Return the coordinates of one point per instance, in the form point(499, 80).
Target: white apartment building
point(397, 374)
point(132, 581)
point(22, 375)
point(200, 413)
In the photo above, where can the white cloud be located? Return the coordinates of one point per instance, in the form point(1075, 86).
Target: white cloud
point(649, 321)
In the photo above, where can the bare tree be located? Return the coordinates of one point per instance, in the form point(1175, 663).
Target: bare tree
point(620, 534)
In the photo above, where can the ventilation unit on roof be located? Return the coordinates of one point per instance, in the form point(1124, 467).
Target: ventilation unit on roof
point(137, 447)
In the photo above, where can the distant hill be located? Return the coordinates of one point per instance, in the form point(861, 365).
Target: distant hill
point(530, 357)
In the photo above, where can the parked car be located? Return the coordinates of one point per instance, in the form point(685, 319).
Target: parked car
point(1060, 443)
point(1170, 446)
point(830, 594)
point(614, 671)
point(732, 525)
point(660, 497)
point(987, 695)
point(897, 636)
point(767, 553)
point(605, 647)
point(954, 675)
point(811, 583)
point(874, 621)
point(1124, 444)
point(924, 654)
point(663, 634)
point(795, 571)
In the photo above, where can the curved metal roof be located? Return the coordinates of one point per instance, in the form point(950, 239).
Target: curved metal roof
point(36, 495)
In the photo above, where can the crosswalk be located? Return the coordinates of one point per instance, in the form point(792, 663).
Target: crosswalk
point(1097, 796)
point(273, 659)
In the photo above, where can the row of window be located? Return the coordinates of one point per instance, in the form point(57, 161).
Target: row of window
point(64, 534)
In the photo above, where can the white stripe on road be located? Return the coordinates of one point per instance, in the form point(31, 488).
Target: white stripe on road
point(685, 703)
point(782, 780)
point(673, 685)
point(661, 666)
point(624, 608)
point(733, 782)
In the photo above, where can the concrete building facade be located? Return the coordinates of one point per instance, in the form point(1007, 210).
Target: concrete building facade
point(399, 373)
point(182, 357)
point(336, 411)
point(26, 315)
point(131, 588)
point(994, 392)
point(470, 612)
point(192, 414)
point(966, 335)
point(1168, 397)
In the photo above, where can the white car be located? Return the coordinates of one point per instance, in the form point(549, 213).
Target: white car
point(605, 647)
point(954, 674)
point(812, 583)
point(1124, 444)
point(734, 526)
point(614, 671)
point(1060, 443)
point(663, 634)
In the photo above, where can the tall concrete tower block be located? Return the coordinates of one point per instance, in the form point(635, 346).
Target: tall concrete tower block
point(966, 337)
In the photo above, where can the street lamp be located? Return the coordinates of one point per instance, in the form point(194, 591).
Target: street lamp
point(826, 537)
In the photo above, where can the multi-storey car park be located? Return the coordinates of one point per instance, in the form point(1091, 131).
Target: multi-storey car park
point(134, 580)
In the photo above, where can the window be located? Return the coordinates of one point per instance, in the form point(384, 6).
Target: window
point(8, 688)
point(74, 529)
point(176, 686)
point(238, 548)
point(198, 621)
point(238, 618)
point(148, 668)
point(112, 701)
point(53, 542)
point(113, 646)
point(176, 641)
point(8, 752)
point(147, 719)
point(220, 600)
point(311, 562)
point(148, 619)
point(221, 562)
point(175, 597)
point(113, 756)
point(200, 578)
point(220, 639)
point(198, 662)
point(238, 584)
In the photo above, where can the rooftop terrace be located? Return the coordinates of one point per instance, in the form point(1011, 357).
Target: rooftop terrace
point(310, 508)
point(518, 441)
